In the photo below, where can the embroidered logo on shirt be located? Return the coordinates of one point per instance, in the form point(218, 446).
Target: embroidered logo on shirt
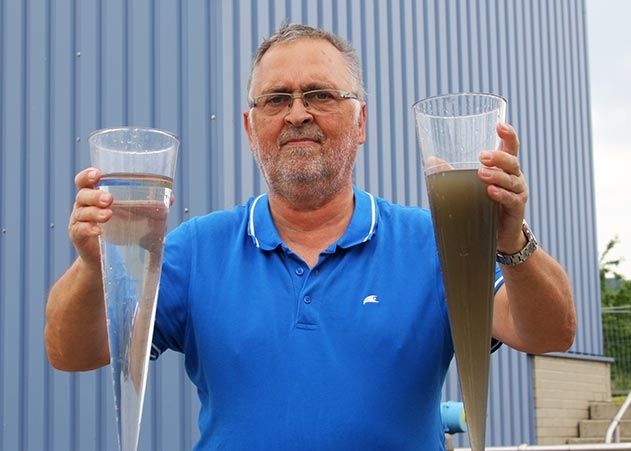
point(371, 299)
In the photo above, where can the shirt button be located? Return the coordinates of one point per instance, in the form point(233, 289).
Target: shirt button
point(307, 299)
point(300, 271)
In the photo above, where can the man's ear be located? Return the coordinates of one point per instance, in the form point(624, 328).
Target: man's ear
point(247, 126)
point(361, 123)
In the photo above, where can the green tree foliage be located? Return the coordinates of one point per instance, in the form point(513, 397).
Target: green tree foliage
point(615, 290)
point(615, 293)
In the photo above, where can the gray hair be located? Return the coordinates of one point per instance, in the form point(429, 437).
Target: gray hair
point(291, 32)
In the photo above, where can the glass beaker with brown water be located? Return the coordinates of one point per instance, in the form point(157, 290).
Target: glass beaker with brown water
point(452, 130)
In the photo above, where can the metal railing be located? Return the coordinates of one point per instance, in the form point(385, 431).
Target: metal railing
point(614, 426)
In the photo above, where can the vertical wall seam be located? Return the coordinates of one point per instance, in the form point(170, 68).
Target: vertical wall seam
point(589, 178)
point(319, 13)
point(438, 53)
point(568, 168)
point(152, 63)
point(583, 293)
point(364, 53)
point(393, 151)
point(254, 44)
point(586, 254)
point(271, 15)
point(460, 69)
point(127, 63)
point(48, 208)
point(101, 379)
point(2, 191)
point(236, 92)
point(335, 22)
point(74, 384)
point(557, 123)
point(448, 45)
point(417, 96)
point(378, 82)
point(403, 32)
point(546, 113)
point(26, 191)
point(481, 64)
point(156, 414)
point(181, 76)
point(156, 376)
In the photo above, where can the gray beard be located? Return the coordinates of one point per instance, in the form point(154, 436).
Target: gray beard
point(310, 181)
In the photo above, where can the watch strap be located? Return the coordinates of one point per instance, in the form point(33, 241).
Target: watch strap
point(523, 255)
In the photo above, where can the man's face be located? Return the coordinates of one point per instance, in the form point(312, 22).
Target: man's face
point(303, 152)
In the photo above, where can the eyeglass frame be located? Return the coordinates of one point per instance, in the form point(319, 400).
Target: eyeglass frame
point(340, 93)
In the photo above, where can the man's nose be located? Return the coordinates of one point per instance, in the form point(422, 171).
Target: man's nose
point(298, 113)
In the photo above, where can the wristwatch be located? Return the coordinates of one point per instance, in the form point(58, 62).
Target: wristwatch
point(524, 253)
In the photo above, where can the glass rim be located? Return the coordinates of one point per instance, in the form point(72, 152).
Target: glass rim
point(103, 131)
point(459, 94)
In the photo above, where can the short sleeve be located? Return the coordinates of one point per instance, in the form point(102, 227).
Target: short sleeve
point(172, 308)
point(499, 281)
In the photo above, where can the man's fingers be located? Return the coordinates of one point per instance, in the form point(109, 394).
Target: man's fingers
point(502, 160)
point(87, 178)
point(496, 176)
point(510, 141)
point(91, 214)
point(510, 200)
point(89, 197)
point(81, 231)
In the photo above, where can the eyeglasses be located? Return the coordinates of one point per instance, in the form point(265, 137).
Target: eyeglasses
point(318, 100)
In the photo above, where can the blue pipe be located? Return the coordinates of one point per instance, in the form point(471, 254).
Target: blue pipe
point(452, 417)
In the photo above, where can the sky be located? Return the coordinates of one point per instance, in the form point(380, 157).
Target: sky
point(609, 40)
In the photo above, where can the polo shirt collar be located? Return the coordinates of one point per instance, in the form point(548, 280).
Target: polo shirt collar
point(261, 227)
point(361, 228)
point(363, 222)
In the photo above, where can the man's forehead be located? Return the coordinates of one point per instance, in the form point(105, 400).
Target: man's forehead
point(312, 62)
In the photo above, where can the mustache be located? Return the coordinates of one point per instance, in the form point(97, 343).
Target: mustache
point(295, 133)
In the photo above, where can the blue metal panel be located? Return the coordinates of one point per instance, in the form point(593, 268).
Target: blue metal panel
point(69, 67)
point(12, 343)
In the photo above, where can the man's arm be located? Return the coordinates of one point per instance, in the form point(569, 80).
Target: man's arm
point(76, 331)
point(76, 328)
point(534, 310)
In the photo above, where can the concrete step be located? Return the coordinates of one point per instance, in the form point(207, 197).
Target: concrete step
point(598, 428)
point(606, 411)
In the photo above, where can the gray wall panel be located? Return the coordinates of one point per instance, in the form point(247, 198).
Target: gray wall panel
point(68, 67)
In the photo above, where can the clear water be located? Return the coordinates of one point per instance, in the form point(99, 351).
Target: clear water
point(131, 259)
point(465, 224)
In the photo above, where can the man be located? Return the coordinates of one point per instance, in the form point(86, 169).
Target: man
point(313, 317)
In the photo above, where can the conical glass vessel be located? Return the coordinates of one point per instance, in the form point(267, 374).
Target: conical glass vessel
point(137, 166)
point(452, 130)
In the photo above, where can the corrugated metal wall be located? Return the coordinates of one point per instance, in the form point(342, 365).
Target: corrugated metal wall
point(68, 67)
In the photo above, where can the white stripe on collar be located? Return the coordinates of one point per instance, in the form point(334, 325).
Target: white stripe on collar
point(251, 222)
point(373, 217)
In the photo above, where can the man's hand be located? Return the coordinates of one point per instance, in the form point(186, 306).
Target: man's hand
point(500, 170)
point(91, 208)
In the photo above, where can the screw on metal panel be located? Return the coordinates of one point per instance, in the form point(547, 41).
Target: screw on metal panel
point(4, 231)
point(186, 210)
point(213, 117)
point(52, 225)
point(78, 139)
point(78, 54)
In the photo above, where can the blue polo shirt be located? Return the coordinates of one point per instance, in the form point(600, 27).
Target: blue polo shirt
point(351, 354)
